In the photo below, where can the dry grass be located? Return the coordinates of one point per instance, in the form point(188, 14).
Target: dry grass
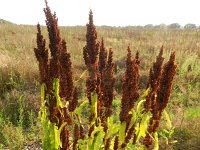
point(17, 60)
point(17, 44)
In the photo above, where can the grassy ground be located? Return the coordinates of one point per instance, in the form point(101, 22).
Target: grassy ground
point(19, 77)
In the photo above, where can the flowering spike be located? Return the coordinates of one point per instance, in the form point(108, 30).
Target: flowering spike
point(65, 138)
point(108, 84)
point(116, 143)
point(91, 50)
point(102, 57)
point(59, 67)
point(154, 78)
point(66, 80)
point(164, 91)
point(41, 54)
point(90, 54)
point(130, 85)
point(76, 136)
point(160, 92)
point(74, 101)
point(137, 58)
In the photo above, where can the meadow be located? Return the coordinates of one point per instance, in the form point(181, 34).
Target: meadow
point(20, 84)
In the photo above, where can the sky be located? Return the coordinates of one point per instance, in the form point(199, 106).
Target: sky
point(106, 12)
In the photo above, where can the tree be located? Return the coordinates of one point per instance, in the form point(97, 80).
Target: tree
point(174, 26)
point(161, 26)
point(190, 26)
point(148, 26)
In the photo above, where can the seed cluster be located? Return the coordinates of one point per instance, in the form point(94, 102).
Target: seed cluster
point(56, 68)
point(130, 86)
point(100, 79)
point(56, 65)
point(160, 82)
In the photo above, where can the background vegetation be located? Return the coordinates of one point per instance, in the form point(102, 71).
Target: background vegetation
point(19, 76)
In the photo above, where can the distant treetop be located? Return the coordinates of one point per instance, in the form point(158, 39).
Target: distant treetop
point(5, 22)
point(174, 26)
point(190, 26)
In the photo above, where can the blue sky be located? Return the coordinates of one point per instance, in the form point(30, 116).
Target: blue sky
point(106, 12)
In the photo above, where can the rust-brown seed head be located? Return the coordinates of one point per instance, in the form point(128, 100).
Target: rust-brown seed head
point(41, 54)
point(130, 85)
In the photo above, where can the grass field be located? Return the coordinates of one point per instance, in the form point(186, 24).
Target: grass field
point(19, 77)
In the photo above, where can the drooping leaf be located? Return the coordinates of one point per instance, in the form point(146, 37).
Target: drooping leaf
point(53, 137)
point(139, 107)
point(59, 132)
point(122, 133)
point(133, 118)
point(56, 92)
point(166, 116)
point(112, 128)
point(94, 99)
point(79, 109)
point(42, 92)
point(94, 135)
point(112, 143)
point(130, 146)
point(98, 144)
point(141, 131)
point(145, 93)
point(82, 144)
point(156, 143)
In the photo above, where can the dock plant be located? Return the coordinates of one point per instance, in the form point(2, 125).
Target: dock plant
point(60, 113)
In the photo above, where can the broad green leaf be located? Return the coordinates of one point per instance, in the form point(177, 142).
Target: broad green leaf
point(53, 137)
point(139, 107)
point(56, 92)
point(141, 147)
point(145, 93)
point(98, 144)
point(167, 134)
point(122, 133)
point(94, 99)
point(42, 92)
point(143, 126)
point(79, 109)
point(133, 118)
point(110, 120)
point(112, 143)
point(59, 132)
point(92, 138)
point(130, 146)
point(82, 144)
point(112, 128)
point(156, 143)
point(166, 115)
point(171, 132)
point(115, 129)
point(97, 129)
